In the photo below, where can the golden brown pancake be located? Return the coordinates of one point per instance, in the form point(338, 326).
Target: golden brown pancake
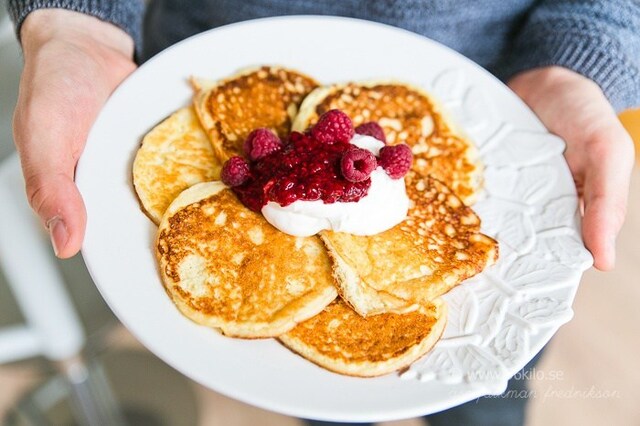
point(407, 115)
point(174, 155)
point(435, 248)
point(226, 267)
point(264, 97)
point(342, 341)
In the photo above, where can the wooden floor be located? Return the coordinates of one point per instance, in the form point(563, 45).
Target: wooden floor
point(587, 377)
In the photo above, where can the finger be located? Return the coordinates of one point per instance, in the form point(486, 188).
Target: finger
point(55, 198)
point(49, 143)
point(606, 189)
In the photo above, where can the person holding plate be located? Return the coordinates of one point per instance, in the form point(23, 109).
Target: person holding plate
point(574, 62)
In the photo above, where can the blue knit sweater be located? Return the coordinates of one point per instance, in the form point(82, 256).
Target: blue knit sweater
point(597, 38)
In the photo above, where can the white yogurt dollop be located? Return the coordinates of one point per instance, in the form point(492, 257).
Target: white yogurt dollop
point(385, 205)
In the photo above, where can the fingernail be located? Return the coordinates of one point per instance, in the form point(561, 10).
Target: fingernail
point(58, 233)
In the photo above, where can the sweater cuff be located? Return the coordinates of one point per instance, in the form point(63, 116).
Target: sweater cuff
point(595, 56)
point(125, 14)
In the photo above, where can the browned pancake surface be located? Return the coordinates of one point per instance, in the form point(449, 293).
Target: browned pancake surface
point(226, 267)
point(435, 248)
point(265, 97)
point(408, 116)
point(341, 340)
point(174, 155)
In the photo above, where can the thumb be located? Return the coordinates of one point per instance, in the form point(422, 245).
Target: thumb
point(54, 196)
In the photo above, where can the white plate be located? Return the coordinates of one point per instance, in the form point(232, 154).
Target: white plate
point(497, 322)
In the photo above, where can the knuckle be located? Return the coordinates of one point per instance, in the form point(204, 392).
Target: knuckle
point(36, 187)
point(614, 142)
point(41, 191)
point(599, 148)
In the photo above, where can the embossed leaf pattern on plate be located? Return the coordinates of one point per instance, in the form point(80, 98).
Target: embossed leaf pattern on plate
point(526, 185)
point(494, 316)
point(540, 311)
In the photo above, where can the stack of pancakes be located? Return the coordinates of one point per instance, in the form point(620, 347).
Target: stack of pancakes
point(357, 305)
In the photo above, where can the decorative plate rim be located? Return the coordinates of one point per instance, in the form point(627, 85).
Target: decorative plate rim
point(536, 225)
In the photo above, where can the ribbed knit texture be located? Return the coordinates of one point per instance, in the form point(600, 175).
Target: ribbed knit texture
point(126, 14)
point(600, 39)
point(596, 38)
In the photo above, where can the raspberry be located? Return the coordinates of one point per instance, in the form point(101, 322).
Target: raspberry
point(373, 129)
point(396, 160)
point(260, 143)
point(333, 126)
point(235, 171)
point(357, 164)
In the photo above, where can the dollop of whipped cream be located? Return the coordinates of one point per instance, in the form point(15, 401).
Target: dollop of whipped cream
point(385, 205)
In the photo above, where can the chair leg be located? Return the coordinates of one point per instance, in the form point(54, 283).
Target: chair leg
point(92, 400)
point(31, 272)
point(27, 261)
point(18, 342)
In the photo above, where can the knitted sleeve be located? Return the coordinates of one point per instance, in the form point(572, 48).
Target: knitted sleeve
point(599, 39)
point(126, 14)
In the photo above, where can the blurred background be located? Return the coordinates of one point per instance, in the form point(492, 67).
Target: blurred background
point(587, 376)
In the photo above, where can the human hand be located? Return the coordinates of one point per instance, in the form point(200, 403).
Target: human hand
point(73, 62)
point(599, 150)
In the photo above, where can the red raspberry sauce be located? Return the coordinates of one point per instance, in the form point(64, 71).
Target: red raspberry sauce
point(304, 169)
